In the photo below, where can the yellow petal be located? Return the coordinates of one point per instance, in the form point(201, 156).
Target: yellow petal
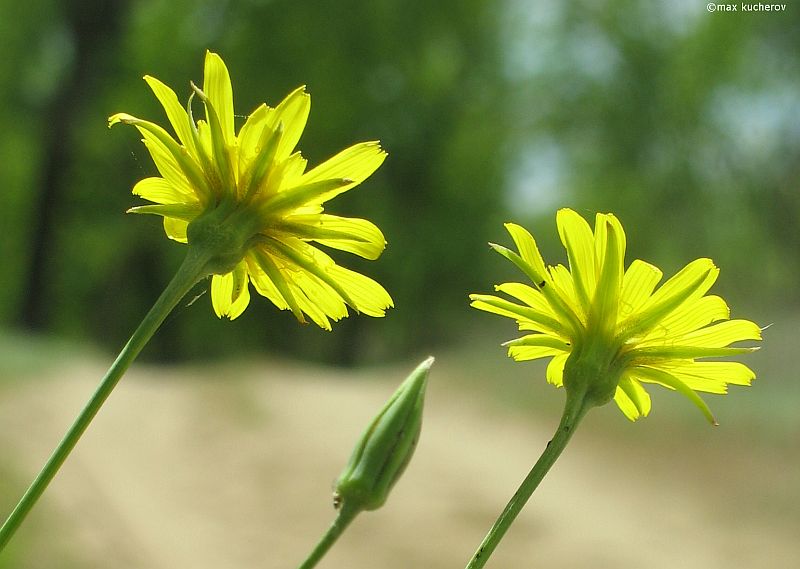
point(534, 346)
point(605, 224)
point(291, 170)
point(249, 135)
point(610, 255)
point(305, 270)
point(529, 251)
point(360, 292)
point(562, 283)
point(204, 139)
point(292, 113)
point(291, 199)
point(176, 229)
point(578, 240)
point(370, 297)
point(221, 288)
point(528, 318)
point(353, 235)
point(528, 295)
point(711, 377)
point(229, 292)
point(269, 266)
point(217, 87)
point(637, 285)
point(690, 283)
point(186, 212)
point(241, 291)
point(175, 112)
point(688, 317)
point(684, 280)
point(261, 168)
point(527, 353)
point(667, 379)
point(625, 404)
point(168, 167)
point(530, 262)
point(356, 163)
point(181, 169)
point(160, 191)
point(317, 299)
point(637, 395)
point(555, 370)
point(720, 335)
point(263, 284)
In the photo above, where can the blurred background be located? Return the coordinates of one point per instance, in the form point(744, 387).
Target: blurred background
point(683, 122)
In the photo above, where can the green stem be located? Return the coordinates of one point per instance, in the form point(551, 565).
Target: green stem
point(189, 273)
point(343, 518)
point(574, 411)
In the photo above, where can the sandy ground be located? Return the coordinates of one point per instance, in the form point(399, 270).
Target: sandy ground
point(231, 467)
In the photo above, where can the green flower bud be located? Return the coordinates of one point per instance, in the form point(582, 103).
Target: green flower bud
point(385, 448)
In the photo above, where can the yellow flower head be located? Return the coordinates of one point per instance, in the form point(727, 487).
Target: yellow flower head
point(249, 200)
point(609, 330)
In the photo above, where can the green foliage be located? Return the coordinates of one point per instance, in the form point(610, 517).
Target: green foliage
point(684, 123)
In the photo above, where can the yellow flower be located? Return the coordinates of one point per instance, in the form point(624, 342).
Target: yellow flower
point(248, 200)
point(609, 330)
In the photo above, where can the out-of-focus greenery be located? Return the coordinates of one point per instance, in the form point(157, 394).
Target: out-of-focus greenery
point(685, 123)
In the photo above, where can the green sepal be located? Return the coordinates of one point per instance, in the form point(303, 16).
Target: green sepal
point(655, 353)
point(540, 282)
point(659, 376)
point(268, 144)
point(301, 195)
point(222, 158)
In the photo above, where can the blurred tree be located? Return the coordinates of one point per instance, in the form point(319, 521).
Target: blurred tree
point(423, 78)
point(684, 122)
point(91, 28)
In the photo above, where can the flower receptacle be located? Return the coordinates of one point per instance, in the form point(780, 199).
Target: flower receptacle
point(223, 234)
point(593, 374)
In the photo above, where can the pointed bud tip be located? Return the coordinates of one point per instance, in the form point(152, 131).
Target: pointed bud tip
point(386, 447)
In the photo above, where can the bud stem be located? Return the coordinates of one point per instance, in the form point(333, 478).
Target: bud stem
point(575, 409)
point(346, 515)
point(189, 273)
